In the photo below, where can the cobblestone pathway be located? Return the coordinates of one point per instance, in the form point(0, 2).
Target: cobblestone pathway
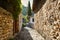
point(29, 34)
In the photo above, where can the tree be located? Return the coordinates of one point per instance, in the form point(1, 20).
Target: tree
point(29, 10)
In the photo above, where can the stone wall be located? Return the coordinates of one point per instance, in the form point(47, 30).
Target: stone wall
point(6, 24)
point(47, 20)
point(20, 21)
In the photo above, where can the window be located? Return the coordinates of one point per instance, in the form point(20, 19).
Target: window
point(33, 20)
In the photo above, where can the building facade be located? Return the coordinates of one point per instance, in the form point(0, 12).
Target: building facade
point(47, 18)
point(8, 26)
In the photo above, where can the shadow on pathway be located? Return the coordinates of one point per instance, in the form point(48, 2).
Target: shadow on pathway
point(23, 35)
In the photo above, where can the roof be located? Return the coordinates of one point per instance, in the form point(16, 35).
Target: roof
point(37, 5)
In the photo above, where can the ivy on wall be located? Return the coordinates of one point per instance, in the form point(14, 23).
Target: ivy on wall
point(13, 6)
point(17, 9)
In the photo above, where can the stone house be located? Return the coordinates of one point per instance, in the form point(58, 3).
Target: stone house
point(47, 18)
point(7, 27)
point(32, 18)
point(6, 24)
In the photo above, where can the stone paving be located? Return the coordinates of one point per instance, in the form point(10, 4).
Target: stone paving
point(28, 34)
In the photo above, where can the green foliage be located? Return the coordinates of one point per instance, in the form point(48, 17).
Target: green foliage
point(24, 10)
point(25, 21)
point(13, 6)
point(29, 9)
point(17, 8)
point(24, 25)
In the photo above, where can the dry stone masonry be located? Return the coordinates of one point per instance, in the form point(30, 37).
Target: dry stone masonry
point(47, 20)
point(6, 24)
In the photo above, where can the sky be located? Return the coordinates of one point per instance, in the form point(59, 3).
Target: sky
point(25, 2)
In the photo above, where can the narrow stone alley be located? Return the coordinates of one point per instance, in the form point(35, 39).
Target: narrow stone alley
point(28, 34)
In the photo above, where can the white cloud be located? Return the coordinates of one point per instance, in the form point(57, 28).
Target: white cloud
point(25, 2)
